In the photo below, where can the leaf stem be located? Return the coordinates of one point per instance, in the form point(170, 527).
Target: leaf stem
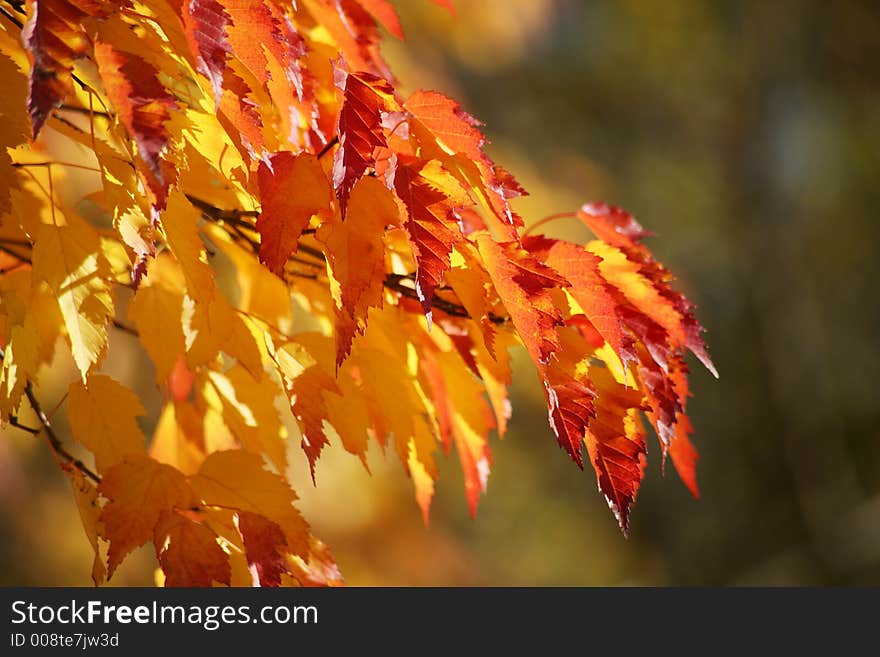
point(547, 220)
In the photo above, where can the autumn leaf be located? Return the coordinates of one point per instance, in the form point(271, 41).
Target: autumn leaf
point(616, 443)
point(188, 552)
point(364, 99)
point(70, 260)
point(89, 507)
point(292, 189)
point(383, 11)
point(138, 491)
point(523, 284)
point(144, 105)
point(355, 254)
point(237, 190)
point(594, 296)
point(236, 479)
point(570, 396)
point(55, 39)
point(205, 23)
point(103, 417)
point(264, 545)
point(156, 311)
point(431, 196)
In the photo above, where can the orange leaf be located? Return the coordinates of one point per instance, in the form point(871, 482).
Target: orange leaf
point(56, 38)
point(364, 98)
point(595, 296)
point(188, 552)
point(138, 491)
point(383, 11)
point(142, 104)
point(616, 443)
point(205, 23)
point(103, 417)
point(355, 252)
point(454, 128)
point(264, 546)
point(523, 284)
point(292, 189)
point(236, 479)
point(644, 280)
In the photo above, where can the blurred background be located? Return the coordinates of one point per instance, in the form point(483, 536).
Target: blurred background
point(746, 135)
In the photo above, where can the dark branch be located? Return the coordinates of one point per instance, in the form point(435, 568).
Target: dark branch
point(54, 440)
point(85, 110)
point(329, 145)
point(12, 19)
point(233, 219)
point(125, 328)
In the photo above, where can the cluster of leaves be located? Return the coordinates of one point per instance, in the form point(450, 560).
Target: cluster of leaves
point(379, 277)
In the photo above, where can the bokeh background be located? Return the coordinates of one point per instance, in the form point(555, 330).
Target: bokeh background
point(746, 135)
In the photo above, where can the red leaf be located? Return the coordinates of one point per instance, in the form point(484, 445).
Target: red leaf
point(360, 129)
point(188, 552)
point(596, 297)
point(205, 23)
point(569, 395)
point(524, 285)
point(383, 11)
point(675, 314)
point(55, 36)
point(142, 104)
point(292, 189)
point(431, 224)
point(616, 443)
point(264, 547)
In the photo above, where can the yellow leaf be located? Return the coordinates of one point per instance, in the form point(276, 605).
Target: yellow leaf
point(262, 294)
point(250, 413)
point(69, 259)
point(102, 414)
point(156, 312)
point(86, 495)
point(138, 490)
point(236, 479)
point(179, 439)
point(180, 224)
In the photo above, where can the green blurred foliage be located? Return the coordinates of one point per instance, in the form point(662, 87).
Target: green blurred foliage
point(746, 135)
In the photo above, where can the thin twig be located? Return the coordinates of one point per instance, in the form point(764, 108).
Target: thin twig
point(17, 256)
point(85, 110)
point(330, 144)
point(394, 282)
point(125, 328)
point(12, 19)
point(13, 420)
point(52, 437)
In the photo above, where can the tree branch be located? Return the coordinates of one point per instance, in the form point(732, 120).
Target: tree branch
point(54, 440)
point(329, 145)
point(233, 218)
